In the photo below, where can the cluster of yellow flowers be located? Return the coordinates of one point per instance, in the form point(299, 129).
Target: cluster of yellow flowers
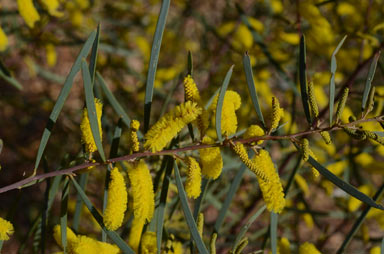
point(86, 132)
point(6, 229)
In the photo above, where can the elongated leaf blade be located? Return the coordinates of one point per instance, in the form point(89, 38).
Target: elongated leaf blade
point(63, 214)
point(332, 81)
point(303, 79)
point(93, 58)
point(111, 234)
point(274, 220)
point(252, 87)
point(6, 75)
point(155, 51)
point(344, 185)
point(220, 102)
point(229, 197)
point(190, 63)
point(79, 202)
point(91, 108)
point(368, 82)
point(188, 214)
point(62, 97)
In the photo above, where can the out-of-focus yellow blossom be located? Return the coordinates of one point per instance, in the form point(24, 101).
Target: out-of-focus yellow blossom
point(302, 183)
point(50, 54)
point(28, 11)
point(3, 40)
point(291, 38)
point(135, 233)
point(272, 189)
point(364, 159)
point(277, 113)
point(193, 183)
point(344, 8)
point(76, 17)
point(337, 167)
point(328, 186)
point(283, 246)
point(254, 131)
point(256, 24)
point(86, 132)
point(289, 127)
point(308, 248)
point(142, 190)
point(51, 6)
point(375, 250)
point(82, 4)
point(346, 114)
point(172, 246)
point(232, 102)
point(148, 243)
point(321, 97)
point(353, 203)
point(365, 232)
point(277, 6)
point(307, 217)
point(6, 229)
point(242, 37)
point(117, 201)
point(211, 160)
point(144, 47)
point(170, 124)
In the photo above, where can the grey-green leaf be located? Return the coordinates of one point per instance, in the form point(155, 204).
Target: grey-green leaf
point(368, 82)
point(303, 79)
point(274, 220)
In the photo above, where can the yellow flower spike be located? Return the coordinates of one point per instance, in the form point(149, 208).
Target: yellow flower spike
point(133, 139)
point(308, 248)
point(191, 91)
point(312, 100)
point(211, 160)
point(326, 137)
point(86, 132)
point(302, 183)
point(71, 237)
point(305, 149)
point(200, 224)
point(87, 245)
point(341, 105)
point(149, 243)
point(135, 233)
point(254, 131)
point(232, 102)
point(272, 190)
point(51, 6)
point(240, 150)
point(162, 132)
point(315, 173)
point(375, 250)
point(284, 246)
point(50, 55)
point(277, 113)
point(28, 11)
point(193, 182)
point(3, 40)
point(117, 201)
point(142, 190)
point(353, 203)
point(6, 229)
point(307, 217)
point(212, 244)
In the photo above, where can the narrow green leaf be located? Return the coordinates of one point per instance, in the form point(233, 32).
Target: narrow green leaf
point(155, 51)
point(359, 221)
point(190, 63)
point(200, 199)
point(79, 202)
point(188, 214)
point(115, 104)
point(111, 234)
point(344, 185)
point(274, 219)
point(231, 193)
point(6, 75)
point(382, 246)
point(303, 78)
point(245, 228)
point(368, 82)
point(63, 214)
point(252, 87)
point(62, 97)
point(94, 51)
point(332, 81)
point(220, 102)
point(160, 210)
point(91, 108)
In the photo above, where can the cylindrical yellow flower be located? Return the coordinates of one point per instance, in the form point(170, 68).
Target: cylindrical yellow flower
point(240, 150)
point(341, 105)
point(193, 183)
point(162, 132)
point(50, 54)
point(211, 160)
point(86, 132)
point(149, 243)
point(6, 229)
point(284, 246)
point(254, 131)
point(326, 137)
point(277, 113)
point(87, 245)
point(312, 100)
point(117, 201)
point(272, 190)
point(28, 11)
point(133, 139)
point(305, 149)
point(51, 6)
point(308, 248)
point(142, 190)
point(3, 40)
point(135, 233)
point(232, 102)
